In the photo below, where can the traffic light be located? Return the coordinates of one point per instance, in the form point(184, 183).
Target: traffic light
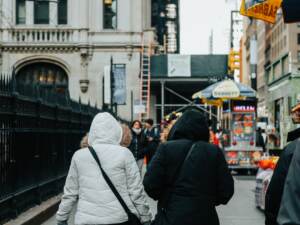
point(233, 61)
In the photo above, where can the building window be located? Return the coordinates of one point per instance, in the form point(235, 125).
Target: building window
point(298, 56)
point(109, 14)
point(298, 39)
point(45, 75)
point(62, 11)
point(20, 12)
point(41, 12)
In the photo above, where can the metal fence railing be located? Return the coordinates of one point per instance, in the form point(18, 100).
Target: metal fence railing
point(39, 132)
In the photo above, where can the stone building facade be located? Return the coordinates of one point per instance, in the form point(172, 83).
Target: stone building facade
point(68, 43)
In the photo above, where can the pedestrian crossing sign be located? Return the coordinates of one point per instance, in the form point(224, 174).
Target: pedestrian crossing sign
point(265, 10)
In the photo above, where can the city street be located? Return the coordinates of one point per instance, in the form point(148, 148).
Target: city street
point(240, 211)
point(138, 74)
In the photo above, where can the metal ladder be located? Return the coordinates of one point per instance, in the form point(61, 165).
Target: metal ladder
point(145, 79)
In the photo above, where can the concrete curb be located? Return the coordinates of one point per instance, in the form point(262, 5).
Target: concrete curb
point(38, 214)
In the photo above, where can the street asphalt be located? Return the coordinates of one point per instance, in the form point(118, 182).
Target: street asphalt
point(241, 209)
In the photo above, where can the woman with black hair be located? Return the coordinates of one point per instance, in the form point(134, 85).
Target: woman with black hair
point(138, 143)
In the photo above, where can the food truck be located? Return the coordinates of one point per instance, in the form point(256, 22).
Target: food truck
point(242, 152)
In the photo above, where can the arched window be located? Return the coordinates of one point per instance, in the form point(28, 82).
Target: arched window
point(46, 75)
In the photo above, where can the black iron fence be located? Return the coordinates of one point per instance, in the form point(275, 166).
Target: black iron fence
point(39, 132)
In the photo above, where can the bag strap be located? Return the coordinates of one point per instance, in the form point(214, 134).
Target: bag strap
point(109, 182)
point(176, 176)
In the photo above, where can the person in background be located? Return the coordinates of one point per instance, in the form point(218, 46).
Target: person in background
point(289, 212)
point(260, 142)
point(219, 136)
point(275, 189)
point(152, 137)
point(137, 144)
point(213, 137)
point(84, 141)
point(126, 136)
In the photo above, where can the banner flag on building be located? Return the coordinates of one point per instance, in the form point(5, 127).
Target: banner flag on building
point(265, 10)
point(107, 85)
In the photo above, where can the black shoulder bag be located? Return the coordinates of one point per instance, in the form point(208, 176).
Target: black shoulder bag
point(132, 218)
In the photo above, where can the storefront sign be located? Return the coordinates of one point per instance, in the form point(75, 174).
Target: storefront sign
point(265, 10)
point(179, 65)
point(244, 108)
point(139, 107)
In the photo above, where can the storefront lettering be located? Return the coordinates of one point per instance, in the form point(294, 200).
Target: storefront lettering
point(244, 108)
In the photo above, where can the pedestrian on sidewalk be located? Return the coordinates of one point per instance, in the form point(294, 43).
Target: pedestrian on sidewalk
point(137, 144)
point(84, 141)
point(188, 176)
point(275, 190)
point(86, 185)
point(289, 212)
point(152, 136)
point(260, 142)
point(126, 136)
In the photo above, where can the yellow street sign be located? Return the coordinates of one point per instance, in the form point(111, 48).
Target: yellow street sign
point(265, 10)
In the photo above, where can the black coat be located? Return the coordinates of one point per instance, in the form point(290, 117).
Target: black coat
point(151, 146)
point(137, 145)
point(276, 186)
point(203, 182)
point(289, 213)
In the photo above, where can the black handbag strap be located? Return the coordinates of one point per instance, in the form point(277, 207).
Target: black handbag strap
point(109, 182)
point(176, 176)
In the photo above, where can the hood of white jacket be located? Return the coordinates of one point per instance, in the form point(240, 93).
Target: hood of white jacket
point(105, 129)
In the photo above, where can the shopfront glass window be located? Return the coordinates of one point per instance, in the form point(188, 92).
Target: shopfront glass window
point(41, 12)
point(21, 12)
point(110, 14)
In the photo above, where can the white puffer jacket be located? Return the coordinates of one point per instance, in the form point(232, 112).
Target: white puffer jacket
point(96, 203)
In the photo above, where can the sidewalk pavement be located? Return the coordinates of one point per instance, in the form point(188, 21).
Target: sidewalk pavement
point(38, 214)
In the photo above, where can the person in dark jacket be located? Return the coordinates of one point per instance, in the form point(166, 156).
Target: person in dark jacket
point(137, 143)
point(188, 176)
point(260, 139)
point(152, 137)
point(275, 190)
point(289, 212)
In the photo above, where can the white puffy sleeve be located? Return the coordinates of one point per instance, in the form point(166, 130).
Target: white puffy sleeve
point(136, 189)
